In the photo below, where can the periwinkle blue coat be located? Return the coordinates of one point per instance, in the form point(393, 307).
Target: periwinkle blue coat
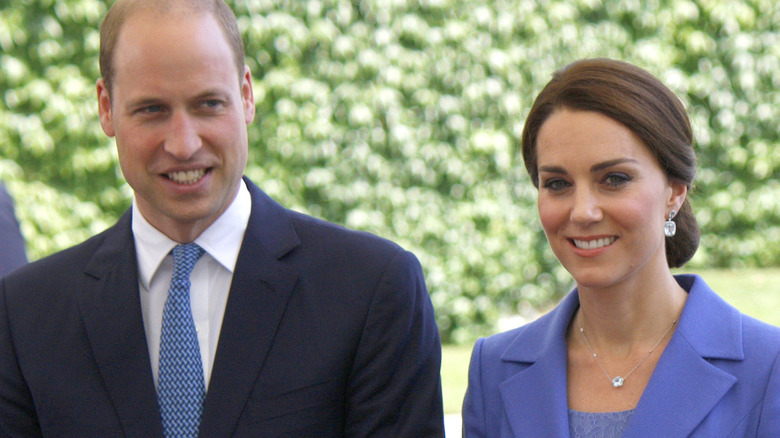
point(719, 376)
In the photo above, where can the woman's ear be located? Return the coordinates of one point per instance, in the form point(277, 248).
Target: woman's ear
point(677, 195)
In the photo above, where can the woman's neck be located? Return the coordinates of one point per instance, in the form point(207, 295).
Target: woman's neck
point(629, 315)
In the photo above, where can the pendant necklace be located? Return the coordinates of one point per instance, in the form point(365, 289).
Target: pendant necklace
point(618, 381)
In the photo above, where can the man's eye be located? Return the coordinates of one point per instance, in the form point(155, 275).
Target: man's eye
point(151, 109)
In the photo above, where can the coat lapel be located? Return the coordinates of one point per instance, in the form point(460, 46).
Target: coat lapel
point(682, 392)
point(685, 387)
point(258, 297)
point(111, 312)
point(535, 398)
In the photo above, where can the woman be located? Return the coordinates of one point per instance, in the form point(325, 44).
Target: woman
point(633, 351)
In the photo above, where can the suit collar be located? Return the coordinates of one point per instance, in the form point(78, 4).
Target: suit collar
point(262, 285)
point(270, 224)
point(221, 240)
point(259, 292)
point(709, 328)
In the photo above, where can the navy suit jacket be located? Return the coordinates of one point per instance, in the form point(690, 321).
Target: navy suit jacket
point(719, 376)
point(327, 333)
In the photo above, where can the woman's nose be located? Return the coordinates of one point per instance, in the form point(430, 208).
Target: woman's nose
point(585, 207)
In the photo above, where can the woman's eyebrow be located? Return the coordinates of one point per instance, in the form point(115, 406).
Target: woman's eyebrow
point(610, 163)
point(595, 168)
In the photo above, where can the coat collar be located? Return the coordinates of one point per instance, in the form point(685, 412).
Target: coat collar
point(535, 398)
point(709, 328)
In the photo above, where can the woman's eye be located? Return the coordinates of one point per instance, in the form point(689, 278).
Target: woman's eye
point(616, 179)
point(555, 184)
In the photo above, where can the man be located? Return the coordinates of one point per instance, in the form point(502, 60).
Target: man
point(12, 254)
point(303, 328)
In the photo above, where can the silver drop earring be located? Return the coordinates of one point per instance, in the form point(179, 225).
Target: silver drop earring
point(670, 228)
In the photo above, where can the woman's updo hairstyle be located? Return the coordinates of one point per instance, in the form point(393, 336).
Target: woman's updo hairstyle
point(639, 101)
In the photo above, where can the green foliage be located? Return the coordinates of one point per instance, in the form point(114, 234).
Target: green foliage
point(403, 118)
point(56, 160)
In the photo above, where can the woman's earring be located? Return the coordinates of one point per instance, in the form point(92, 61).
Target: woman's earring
point(670, 228)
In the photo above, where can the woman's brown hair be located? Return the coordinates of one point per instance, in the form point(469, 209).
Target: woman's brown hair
point(639, 101)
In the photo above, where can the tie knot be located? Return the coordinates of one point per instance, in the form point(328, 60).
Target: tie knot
point(184, 258)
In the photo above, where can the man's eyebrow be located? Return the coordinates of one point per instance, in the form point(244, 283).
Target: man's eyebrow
point(142, 101)
point(149, 100)
point(211, 93)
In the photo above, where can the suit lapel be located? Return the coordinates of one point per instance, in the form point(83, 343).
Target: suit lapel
point(111, 312)
point(535, 398)
point(258, 297)
point(685, 387)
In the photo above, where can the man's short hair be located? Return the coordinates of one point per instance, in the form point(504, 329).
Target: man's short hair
point(122, 9)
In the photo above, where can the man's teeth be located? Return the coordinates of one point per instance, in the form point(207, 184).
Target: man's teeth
point(187, 177)
point(593, 244)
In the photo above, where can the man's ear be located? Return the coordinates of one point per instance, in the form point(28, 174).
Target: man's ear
point(248, 95)
point(104, 108)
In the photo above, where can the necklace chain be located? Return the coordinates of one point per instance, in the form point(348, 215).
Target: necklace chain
point(618, 381)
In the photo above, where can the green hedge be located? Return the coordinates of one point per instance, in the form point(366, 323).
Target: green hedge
point(402, 118)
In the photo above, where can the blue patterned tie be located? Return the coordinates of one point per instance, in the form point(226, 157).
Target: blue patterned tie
point(181, 388)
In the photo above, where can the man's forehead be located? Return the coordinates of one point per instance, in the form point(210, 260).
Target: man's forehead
point(157, 11)
point(140, 26)
point(163, 66)
point(142, 12)
point(160, 7)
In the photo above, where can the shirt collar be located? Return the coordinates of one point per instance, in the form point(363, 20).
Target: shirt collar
point(221, 240)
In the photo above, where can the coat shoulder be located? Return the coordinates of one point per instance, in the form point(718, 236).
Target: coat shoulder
point(315, 232)
point(63, 272)
point(67, 260)
point(760, 338)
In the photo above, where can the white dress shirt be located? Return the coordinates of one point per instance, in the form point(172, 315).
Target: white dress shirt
point(211, 277)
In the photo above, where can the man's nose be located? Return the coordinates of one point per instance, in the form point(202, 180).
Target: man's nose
point(183, 139)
